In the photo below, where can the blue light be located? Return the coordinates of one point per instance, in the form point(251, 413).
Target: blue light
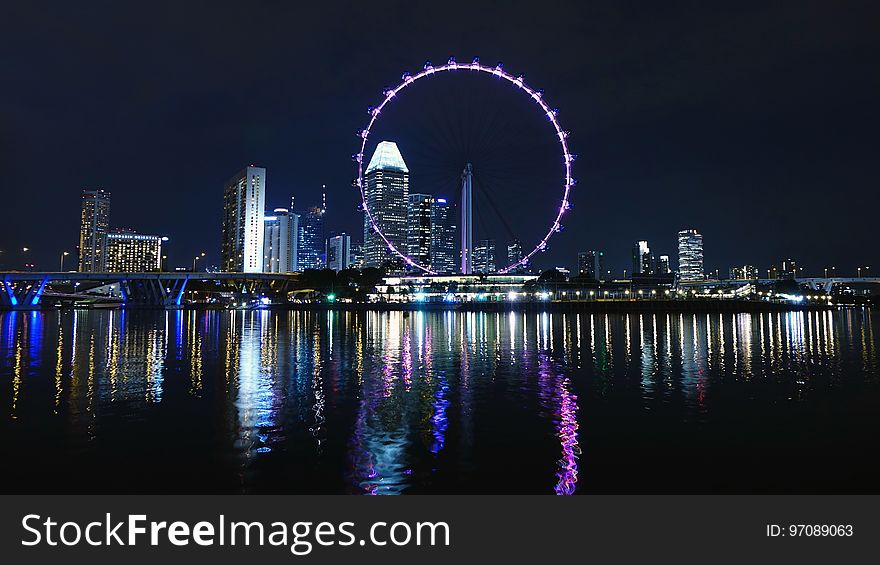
point(420, 297)
point(449, 297)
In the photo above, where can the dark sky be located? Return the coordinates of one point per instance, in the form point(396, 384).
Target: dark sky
point(754, 122)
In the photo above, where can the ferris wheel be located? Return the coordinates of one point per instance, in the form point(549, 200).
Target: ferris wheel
point(535, 95)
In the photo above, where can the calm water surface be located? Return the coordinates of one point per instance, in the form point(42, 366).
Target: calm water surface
point(433, 402)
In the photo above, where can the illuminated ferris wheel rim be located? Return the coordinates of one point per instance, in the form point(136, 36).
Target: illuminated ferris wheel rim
point(498, 71)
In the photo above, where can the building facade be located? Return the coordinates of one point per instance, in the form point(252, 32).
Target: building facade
point(311, 238)
point(339, 252)
point(591, 264)
point(443, 250)
point(244, 200)
point(663, 267)
point(94, 224)
point(386, 193)
point(280, 241)
point(484, 257)
point(785, 269)
point(642, 259)
point(690, 255)
point(129, 252)
point(743, 272)
point(418, 228)
point(515, 255)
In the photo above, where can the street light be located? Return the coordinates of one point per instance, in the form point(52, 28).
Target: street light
point(63, 255)
point(197, 257)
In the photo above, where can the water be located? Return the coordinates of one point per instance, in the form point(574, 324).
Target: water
point(435, 402)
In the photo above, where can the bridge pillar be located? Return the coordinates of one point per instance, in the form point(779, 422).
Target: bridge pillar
point(154, 293)
point(22, 294)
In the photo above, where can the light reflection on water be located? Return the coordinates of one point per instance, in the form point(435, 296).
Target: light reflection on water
point(391, 402)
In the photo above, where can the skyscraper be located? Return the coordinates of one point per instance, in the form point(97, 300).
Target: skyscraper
point(339, 252)
point(418, 228)
point(484, 257)
point(243, 203)
point(642, 259)
point(591, 264)
point(386, 191)
point(280, 241)
point(129, 252)
point(311, 238)
point(94, 222)
point(443, 253)
point(514, 254)
point(690, 255)
point(663, 265)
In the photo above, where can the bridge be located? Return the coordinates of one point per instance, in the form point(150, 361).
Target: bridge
point(29, 290)
point(824, 284)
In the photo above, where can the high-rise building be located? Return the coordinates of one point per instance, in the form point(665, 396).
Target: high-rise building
point(743, 272)
point(591, 264)
point(642, 259)
point(785, 269)
point(244, 200)
point(515, 255)
point(94, 222)
point(484, 257)
point(386, 192)
point(418, 220)
point(443, 254)
point(357, 256)
point(130, 252)
point(663, 265)
point(311, 238)
point(690, 255)
point(281, 241)
point(339, 252)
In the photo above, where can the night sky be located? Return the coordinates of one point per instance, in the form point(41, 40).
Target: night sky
point(756, 123)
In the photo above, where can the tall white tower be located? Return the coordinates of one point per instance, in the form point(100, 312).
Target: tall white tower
point(467, 228)
point(244, 199)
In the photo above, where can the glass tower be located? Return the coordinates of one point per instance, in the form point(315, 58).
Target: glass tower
point(690, 255)
point(443, 253)
point(484, 256)
point(418, 228)
point(643, 259)
point(386, 192)
point(311, 238)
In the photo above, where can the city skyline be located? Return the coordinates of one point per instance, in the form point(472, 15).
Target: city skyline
point(679, 159)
